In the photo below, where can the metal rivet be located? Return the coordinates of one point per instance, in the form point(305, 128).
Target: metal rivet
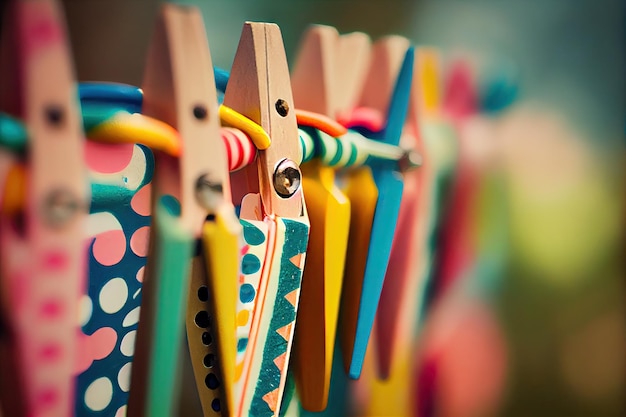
point(54, 114)
point(200, 112)
point(282, 107)
point(208, 193)
point(287, 178)
point(59, 207)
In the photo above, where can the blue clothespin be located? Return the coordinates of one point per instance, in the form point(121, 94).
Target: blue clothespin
point(359, 305)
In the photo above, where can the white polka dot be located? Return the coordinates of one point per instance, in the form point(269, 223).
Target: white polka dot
point(99, 394)
point(121, 412)
point(84, 310)
point(113, 295)
point(123, 377)
point(132, 317)
point(127, 347)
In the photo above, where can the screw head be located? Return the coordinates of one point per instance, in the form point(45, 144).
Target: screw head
point(59, 207)
point(287, 178)
point(208, 193)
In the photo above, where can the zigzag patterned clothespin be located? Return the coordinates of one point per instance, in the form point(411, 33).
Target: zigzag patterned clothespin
point(274, 218)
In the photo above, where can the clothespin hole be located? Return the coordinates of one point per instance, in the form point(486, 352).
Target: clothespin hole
point(209, 360)
point(211, 382)
point(287, 178)
point(207, 339)
point(200, 112)
point(215, 405)
point(282, 107)
point(203, 293)
point(54, 114)
point(202, 319)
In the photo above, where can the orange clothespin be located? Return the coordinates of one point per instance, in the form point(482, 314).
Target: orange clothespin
point(42, 243)
point(191, 199)
point(315, 88)
point(274, 218)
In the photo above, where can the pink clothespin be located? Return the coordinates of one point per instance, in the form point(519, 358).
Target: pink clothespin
point(43, 246)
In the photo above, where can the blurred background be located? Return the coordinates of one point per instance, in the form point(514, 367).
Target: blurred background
point(551, 282)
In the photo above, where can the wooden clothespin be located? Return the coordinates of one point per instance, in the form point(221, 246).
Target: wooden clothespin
point(315, 88)
point(274, 218)
point(396, 314)
point(42, 243)
point(386, 92)
point(179, 90)
point(120, 171)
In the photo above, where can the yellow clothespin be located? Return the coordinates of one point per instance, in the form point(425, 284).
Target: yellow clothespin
point(42, 243)
point(274, 220)
point(315, 88)
point(191, 198)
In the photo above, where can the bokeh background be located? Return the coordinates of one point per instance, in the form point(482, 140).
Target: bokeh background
point(558, 298)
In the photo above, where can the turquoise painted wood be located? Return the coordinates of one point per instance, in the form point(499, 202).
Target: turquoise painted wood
point(172, 260)
point(390, 185)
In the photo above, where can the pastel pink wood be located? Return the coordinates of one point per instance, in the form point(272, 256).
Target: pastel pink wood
point(456, 248)
point(44, 263)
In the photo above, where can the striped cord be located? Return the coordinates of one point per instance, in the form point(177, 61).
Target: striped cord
point(239, 148)
point(352, 150)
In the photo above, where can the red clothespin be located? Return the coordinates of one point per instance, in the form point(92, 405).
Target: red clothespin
point(191, 202)
point(43, 245)
point(274, 219)
point(460, 103)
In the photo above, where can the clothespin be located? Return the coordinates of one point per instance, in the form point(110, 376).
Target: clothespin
point(274, 218)
point(315, 88)
point(120, 172)
point(179, 90)
point(394, 320)
point(460, 103)
point(370, 246)
point(42, 244)
point(460, 92)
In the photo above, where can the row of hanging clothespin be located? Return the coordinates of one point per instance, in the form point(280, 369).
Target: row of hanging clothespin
point(258, 212)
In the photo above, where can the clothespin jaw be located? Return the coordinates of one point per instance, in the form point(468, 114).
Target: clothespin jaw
point(315, 89)
point(179, 89)
point(354, 52)
point(313, 80)
point(276, 115)
point(274, 218)
point(43, 261)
